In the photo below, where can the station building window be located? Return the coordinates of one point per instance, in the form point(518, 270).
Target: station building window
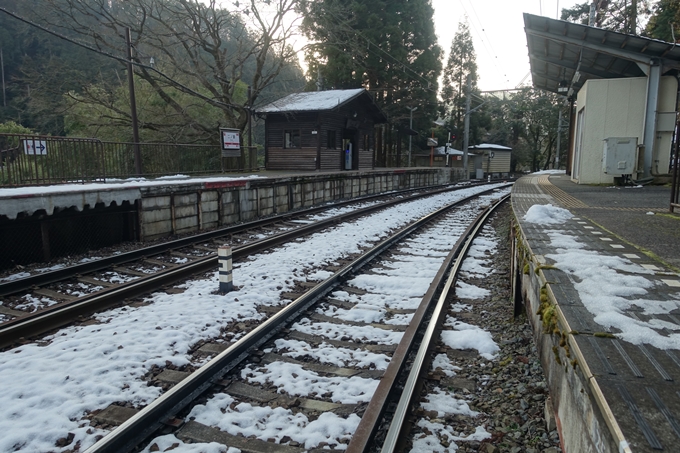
point(330, 140)
point(291, 138)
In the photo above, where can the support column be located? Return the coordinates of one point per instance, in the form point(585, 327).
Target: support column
point(652, 103)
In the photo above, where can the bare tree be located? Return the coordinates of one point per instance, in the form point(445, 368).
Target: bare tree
point(206, 53)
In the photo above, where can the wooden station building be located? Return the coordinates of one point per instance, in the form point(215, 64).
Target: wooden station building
point(321, 130)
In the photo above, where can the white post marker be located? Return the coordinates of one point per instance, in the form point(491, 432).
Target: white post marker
point(224, 258)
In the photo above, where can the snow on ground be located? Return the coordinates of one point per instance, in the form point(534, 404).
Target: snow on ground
point(550, 172)
point(436, 436)
point(608, 285)
point(113, 183)
point(264, 423)
point(327, 354)
point(385, 292)
point(50, 388)
point(547, 214)
point(293, 379)
point(467, 336)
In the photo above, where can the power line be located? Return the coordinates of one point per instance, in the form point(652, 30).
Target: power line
point(173, 82)
point(492, 52)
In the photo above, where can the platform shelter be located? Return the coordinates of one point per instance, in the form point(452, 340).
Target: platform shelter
point(618, 86)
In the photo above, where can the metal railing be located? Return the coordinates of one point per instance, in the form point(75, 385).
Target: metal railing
point(38, 160)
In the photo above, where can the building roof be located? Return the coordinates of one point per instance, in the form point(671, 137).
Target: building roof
point(311, 101)
point(450, 150)
point(490, 146)
point(565, 54)
point(439, 151)
point(315, 101)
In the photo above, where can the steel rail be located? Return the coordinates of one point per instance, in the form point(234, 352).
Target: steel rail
point(394, 434)
point(57, 275)
point(59, 315)
point(132, 432)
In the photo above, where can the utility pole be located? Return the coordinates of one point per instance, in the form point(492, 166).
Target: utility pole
point(2, 69)
point(593, 11)
point(410, 137)
point(250, 116)
point(632, 28)
point(466, 132)
point(133, 104)
point(559, 135)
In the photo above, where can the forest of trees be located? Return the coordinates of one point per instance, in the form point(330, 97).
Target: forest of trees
point(65, 72)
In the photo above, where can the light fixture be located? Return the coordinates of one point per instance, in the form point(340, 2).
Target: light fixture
point(562, 86)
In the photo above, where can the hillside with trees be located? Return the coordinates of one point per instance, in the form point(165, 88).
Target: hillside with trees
point(65, 67)
point(193, 65)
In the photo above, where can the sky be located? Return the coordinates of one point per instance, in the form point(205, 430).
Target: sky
point(497, 28)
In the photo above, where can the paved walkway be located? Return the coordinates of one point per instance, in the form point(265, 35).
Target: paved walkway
point(625, 212)
point(617, 306)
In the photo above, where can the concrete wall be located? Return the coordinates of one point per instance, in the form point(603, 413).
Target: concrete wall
point(169, 210)
point(616, 108)
point(580, 412)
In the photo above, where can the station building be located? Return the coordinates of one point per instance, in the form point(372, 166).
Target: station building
point(321, 130)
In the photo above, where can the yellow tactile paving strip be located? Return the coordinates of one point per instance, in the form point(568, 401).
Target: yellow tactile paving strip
point(560, 195)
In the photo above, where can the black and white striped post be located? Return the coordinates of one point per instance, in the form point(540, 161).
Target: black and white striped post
point(224, 257)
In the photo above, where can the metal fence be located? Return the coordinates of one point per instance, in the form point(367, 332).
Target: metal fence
point(33, 159)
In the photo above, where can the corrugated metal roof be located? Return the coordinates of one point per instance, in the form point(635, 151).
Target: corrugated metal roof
point(566, 53)
point(311, 101)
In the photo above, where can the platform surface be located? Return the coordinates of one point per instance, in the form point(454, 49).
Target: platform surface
point(15, 201)
point(613, 269)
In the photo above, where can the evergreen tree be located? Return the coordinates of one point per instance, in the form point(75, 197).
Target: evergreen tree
point(664, 23)
point(460, 78)
point(616, 15)
point(387, 46)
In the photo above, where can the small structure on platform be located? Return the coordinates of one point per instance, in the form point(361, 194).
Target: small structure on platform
point(443, 156)
point(619, 86)
point(491, 159)
point(321, 130)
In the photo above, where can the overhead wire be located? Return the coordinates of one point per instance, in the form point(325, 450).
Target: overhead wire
point(485, 39)
point(173, 82)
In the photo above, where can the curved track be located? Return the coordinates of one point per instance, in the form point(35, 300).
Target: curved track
point(244, 369)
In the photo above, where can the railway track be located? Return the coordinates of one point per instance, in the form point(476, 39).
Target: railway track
point(279, 374)
point(42, 302)
point(144, 368)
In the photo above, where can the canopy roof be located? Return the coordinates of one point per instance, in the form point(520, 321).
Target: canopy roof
point(564, 54)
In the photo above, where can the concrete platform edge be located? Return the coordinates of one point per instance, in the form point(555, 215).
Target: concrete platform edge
point(584, 419)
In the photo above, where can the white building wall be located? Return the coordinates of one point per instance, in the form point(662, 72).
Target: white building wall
point(616, 108)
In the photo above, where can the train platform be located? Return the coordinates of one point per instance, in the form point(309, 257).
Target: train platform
point(597, 270)
point(27, 200)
